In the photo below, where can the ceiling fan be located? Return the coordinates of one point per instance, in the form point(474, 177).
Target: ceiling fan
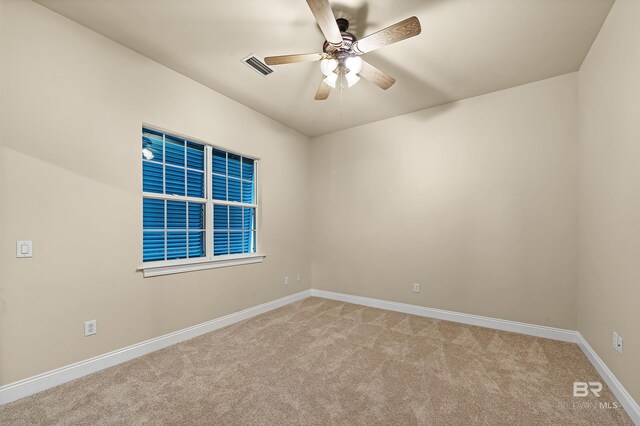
point(340, 58)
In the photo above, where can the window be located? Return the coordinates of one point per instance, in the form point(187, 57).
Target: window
point(199, 205)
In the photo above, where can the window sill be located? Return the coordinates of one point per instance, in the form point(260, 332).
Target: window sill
point(167, 268)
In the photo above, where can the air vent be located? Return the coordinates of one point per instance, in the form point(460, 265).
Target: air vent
point(257, 65)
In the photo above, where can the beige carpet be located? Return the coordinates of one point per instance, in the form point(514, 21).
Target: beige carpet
point(321, 362)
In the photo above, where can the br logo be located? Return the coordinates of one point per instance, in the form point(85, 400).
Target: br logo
point(581, 389)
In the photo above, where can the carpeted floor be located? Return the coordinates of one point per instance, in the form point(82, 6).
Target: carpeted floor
point(321, 362)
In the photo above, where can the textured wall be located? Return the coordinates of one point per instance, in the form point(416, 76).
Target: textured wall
point(475, 200)
point(72, 104)
point(609, 272)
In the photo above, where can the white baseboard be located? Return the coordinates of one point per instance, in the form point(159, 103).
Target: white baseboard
point(31, 385)
point(629, 404)
point(495, 323)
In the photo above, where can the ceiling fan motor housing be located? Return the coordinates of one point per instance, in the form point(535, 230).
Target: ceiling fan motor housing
point(347, 40)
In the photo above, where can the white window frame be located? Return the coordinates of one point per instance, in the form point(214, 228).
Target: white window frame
point(209, 261)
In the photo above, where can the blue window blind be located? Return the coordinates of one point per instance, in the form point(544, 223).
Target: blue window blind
point(172, 229)
point(234, 225)
point(176, 203)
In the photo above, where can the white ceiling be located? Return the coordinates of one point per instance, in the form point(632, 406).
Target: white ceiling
point(467, 48)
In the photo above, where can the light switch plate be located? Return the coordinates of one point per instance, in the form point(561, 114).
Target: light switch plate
point(24, 249)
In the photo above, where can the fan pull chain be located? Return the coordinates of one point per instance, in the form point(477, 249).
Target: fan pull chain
point(341, 109)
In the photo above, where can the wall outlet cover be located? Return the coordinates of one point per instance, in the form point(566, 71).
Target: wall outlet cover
point(90, 327)
point(619, 343)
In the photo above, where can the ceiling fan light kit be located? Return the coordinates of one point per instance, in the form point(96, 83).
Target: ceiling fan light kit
point(340, 60)
point(328, 66)
point(346, 66)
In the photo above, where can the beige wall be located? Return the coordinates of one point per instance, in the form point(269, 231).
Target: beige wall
point(475, 200)
point(609, 248)
point(72, 104)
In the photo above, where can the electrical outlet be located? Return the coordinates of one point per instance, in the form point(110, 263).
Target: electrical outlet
point(90, 328)
point(286, 280)
point(298, 277)
point(619, 344)
point(615, 341)
point(416, 287)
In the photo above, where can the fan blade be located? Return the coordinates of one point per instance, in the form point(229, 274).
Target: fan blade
point(321, 10)
point(292, 59)
point(402, 30)
point(377, 77)
point(323, 91)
